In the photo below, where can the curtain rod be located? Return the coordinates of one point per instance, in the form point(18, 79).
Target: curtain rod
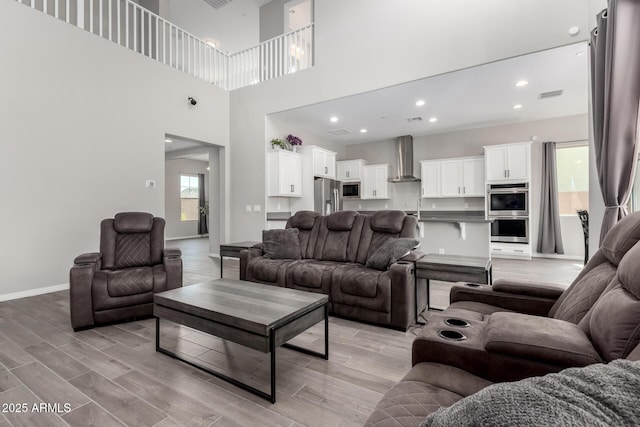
point(572, 141)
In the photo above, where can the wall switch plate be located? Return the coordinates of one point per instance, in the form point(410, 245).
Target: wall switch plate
point(386, 206)
point(278, 206)
point(466, 205)
point(421, 229)
point(151, 183)
point(257, 208)
point(248, 207)
point(359, 206)
point(441, 251)
point(433, 205)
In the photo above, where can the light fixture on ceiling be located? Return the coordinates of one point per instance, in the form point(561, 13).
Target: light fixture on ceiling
point(517, 106)
point(420, 103)
point(433, 119)
point(363, 130)
point(573, 31)
point(333, 119)
point(522, 83)
point(212, 43)
point(168, 141)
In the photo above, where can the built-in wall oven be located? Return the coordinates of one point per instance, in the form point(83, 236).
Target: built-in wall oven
point(510, 230)
point(508, 200)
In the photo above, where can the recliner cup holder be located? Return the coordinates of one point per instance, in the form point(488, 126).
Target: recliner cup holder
point(459, 323)
point(472, 285)
point(451, 335)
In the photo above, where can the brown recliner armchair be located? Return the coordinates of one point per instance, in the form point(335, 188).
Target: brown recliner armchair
point(118, 282)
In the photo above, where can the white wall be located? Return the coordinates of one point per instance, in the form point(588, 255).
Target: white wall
point(470, 143)
point(353, 55)
point(82, 125)
point(172, 209)
point(234, 26)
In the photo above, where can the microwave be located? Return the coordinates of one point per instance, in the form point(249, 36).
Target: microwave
point(508, 200)
point(351, 190)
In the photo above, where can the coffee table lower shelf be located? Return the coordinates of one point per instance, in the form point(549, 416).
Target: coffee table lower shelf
point(277, 337)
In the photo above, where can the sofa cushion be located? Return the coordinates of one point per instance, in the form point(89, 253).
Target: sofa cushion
point(341, 221)
point(133, 222)
point(361, 281)
point(391, 251)
point(622, 237)
point(597, 395)
point(132, 250)
point(303, 220)
point(338, 237)
point(387, 221)
point(266, 270)
point(130, 281)
point(359, 286)
point(311, 274)
point(281, 244)
point(580, 297)
point(540, 339)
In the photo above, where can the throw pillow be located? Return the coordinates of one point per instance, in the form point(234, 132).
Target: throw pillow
point(391, 251)
point(281, 244)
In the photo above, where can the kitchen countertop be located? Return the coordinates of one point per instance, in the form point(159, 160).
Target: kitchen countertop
point(425, 216)
point(278, 216)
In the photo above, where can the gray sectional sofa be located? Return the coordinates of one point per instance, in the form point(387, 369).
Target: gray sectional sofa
point(334, 250)
point(518, 331)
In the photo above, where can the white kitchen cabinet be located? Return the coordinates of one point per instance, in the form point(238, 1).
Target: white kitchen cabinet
point(430, 178)
point(323, 161)
point(284, 173)
point(473, 177)
point(350, 170)
point(508, 162)
point(375, 182)
point(459, 177)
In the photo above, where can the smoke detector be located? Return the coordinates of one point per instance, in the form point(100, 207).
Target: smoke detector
point(415, 119)
point(338, 132)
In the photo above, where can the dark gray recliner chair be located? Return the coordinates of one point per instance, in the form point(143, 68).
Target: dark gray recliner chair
point(118, 282)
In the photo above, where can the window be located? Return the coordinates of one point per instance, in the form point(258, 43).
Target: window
point(189, 205)
point(634, 202)
point(572, 166)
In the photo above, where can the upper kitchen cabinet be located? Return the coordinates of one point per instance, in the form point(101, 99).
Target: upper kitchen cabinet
point(350, 170)
point(375, 182)
point(430, 178)
point(284, 174)
point(323, 161)
point(508, 162)
point(460, 177)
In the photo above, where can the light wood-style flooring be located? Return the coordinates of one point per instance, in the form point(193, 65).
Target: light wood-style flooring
point(113, 376)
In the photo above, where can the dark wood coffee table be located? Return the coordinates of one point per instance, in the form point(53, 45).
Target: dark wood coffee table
point(232, 250)
point(258, 316)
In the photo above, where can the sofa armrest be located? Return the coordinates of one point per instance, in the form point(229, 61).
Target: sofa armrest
point(517, 287)
point(80, 280)
point(485, 294)
point(539, 338)
point(172, 260)
point(412, 256)
point(403, 284)
point(245, 256)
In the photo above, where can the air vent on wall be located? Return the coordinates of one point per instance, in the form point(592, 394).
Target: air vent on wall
point(551, 94)
point(338, 132)
point(415, 119)
point(217, 4)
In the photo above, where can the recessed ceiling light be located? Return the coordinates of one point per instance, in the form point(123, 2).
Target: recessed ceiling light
point(420, 103)
point(433, 119)
point(573, 31)
point(168, 141)
point(363, 130)
point(580, 53)
point(212, 43)
point(333, 119)
point(522, 83)
point(517, 106)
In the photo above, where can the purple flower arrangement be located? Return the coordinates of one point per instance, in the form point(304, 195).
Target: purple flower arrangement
point(293, 140)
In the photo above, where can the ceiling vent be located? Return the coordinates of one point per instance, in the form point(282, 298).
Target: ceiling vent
point(338, 132)
point(552, 94)
point(415, 119)
point(217, 4)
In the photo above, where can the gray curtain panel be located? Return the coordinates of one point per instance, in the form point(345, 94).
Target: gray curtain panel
point(615, 85)
point(202, 218)
point(549, 234)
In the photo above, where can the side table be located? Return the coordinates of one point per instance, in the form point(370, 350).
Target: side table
point(232, 250)
point(452, 268)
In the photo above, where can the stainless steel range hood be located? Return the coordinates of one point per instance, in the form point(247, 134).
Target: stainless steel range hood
point(404, 160)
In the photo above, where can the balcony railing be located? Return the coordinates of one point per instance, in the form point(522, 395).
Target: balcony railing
point(138, 29)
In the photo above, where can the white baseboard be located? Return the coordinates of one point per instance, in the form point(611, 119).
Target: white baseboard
point(558, 256)
point(197, 236)
point(34, 292)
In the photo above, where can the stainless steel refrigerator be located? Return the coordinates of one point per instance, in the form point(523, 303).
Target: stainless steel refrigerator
point(327, 196)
